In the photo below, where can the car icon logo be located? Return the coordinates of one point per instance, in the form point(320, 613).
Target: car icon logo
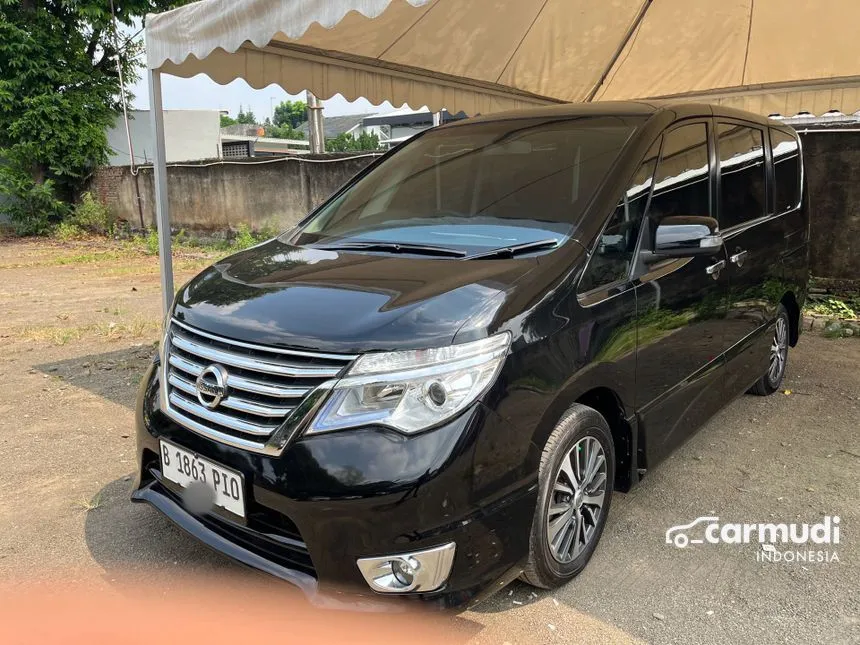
point(678, 535)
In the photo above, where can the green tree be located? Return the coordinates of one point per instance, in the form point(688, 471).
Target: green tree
point(346, 142)
point(59, 92)
point(283, 132)
point(291, 113)
point(246, 118)
point(227, 120)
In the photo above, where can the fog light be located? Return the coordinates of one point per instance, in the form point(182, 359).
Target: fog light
point(404, 571)
point(419, 571)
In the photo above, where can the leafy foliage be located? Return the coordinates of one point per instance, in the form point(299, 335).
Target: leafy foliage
point(284, 132)
point(346, 142)
point(152, 242)
point(245, 239)
point(67, 231)
point(835, 308)
point(227, 120)
point(59, 92)
point(246, 118)
point(291, 113)
point(31, 205)
point(92, 216)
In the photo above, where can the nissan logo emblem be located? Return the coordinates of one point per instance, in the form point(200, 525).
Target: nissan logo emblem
point(212, 386)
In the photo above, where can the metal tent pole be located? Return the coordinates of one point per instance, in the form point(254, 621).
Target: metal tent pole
point(162, 212)
point(316, 134)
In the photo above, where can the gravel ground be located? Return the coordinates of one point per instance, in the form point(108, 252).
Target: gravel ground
point(79, 323)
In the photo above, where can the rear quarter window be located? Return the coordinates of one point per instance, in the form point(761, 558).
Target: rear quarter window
point(785, 151)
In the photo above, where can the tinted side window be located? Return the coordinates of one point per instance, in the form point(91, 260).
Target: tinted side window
point(743, 195)
point(613, 255)
point(682, 184)
point(786, 168)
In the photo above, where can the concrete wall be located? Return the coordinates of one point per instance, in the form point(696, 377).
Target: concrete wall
point(213, 196)
point(833, 167)
point(188, 134)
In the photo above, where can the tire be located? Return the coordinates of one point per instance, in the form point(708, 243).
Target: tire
point(771, 380)
point(585, 429)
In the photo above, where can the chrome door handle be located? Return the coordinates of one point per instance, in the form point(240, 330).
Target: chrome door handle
point(738, 258)
point(715, 268)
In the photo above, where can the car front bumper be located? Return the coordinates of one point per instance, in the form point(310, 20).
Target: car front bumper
point(331, 499)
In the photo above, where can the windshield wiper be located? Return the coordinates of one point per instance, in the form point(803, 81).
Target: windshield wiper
point(516, 249)
point(396, 247)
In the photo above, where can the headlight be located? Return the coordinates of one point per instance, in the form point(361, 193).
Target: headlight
point(413, 390)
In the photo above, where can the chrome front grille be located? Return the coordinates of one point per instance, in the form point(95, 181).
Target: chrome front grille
point(265, 389)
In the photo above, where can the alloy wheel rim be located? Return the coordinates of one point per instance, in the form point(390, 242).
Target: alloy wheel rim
point(576, 500)
point(778, 351)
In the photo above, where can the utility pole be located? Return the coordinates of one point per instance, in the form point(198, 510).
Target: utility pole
point(316, 134)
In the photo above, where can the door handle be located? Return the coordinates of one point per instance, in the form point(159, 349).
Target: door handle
point(715, 268)
point(738, 258)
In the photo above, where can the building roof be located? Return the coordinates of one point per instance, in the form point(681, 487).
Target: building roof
point(335, 125)
point(832, 119)
point(241, 129)
point(406, 116)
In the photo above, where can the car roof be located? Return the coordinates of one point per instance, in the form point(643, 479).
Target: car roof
point(621, 108)
point(561, 110)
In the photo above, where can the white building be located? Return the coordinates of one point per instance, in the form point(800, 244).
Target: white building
point(397, 126)
point(189, 135)
point(390, 128)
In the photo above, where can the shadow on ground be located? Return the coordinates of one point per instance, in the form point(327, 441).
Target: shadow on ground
point(136, 545)
point(110, 375)
point(129, 539)
point(515, 595)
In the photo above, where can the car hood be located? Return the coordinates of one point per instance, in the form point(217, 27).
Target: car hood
point(282, 295)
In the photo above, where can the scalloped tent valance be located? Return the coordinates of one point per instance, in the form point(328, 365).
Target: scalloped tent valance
point(768, 56)
point(480, 56)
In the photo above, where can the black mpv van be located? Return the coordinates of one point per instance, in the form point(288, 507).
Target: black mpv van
point(435, 382)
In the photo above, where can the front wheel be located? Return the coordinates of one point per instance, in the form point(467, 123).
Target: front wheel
point(576, 473)
point(772, 379)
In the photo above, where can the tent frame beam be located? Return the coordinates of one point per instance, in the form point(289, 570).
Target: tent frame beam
point(162, 212)
point(632, 30)
point(810, 85)
point(405, 72)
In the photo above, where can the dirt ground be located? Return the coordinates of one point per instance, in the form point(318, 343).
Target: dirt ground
point(78, 323)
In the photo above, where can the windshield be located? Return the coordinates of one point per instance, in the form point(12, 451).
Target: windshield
point(477, 187)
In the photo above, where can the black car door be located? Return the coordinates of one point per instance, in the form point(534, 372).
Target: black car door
point(681, 302)
point(754, 238)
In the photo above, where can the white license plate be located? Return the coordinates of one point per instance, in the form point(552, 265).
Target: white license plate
point(184, 468)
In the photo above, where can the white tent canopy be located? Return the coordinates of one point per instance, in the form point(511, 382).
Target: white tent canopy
point(480, 56)
point(771, 56)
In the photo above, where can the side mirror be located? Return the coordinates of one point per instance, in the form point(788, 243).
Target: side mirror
point(684, 236)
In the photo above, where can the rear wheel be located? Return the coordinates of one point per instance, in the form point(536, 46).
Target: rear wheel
point(772, 379)
point(576, 473)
